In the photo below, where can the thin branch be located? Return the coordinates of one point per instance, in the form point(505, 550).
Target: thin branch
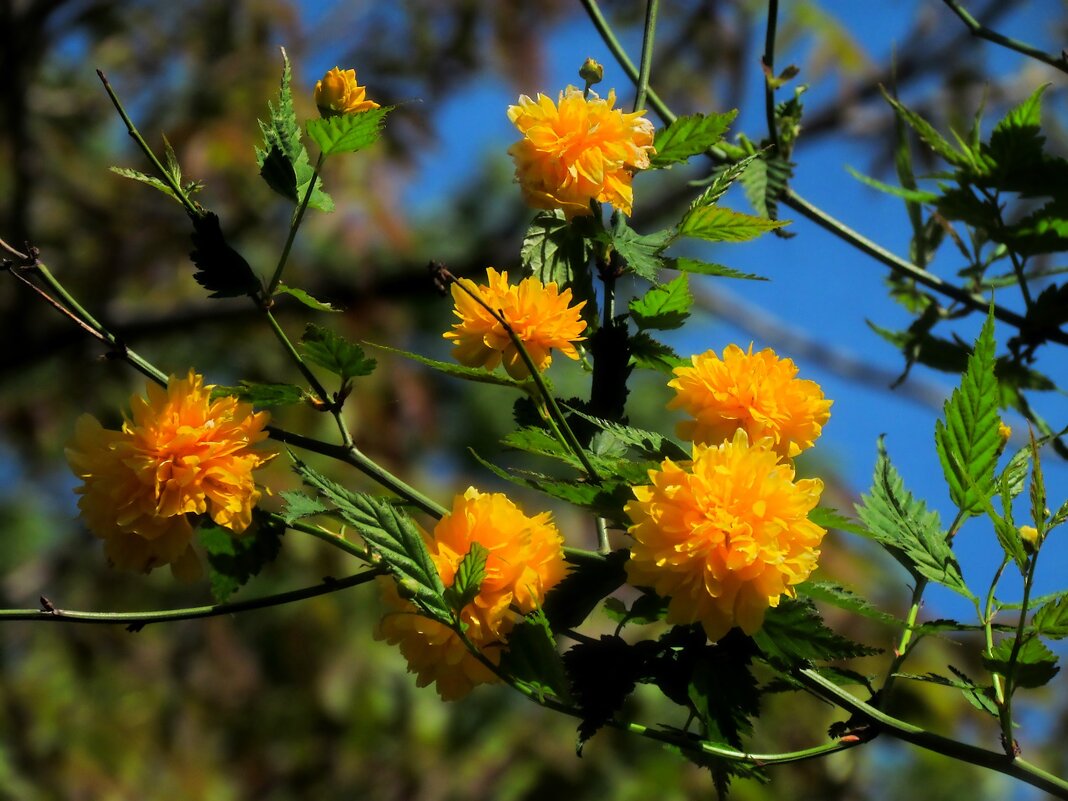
point(136, 620)
point(983, 32)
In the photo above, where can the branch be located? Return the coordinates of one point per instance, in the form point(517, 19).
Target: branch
point(983, 32)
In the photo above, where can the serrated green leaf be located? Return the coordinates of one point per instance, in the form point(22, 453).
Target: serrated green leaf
point(721, 179)
point(647, 608)
point(720, 224)
point(911, 195)
point(929, 135)
point(219, 268)
point(842, 598)
point(794, 634)
point(689, 136)
point(348, 133)
point(832, 518)
point(262, 396)
point(602, 673)
point(968, 440)
point(687, 265)
point(391, 535)
point(648, 354)
point(283, 160)
point(235, 558)
point(298, 505)
point(468, 579)
point(581, 591)
point(305, 298)
point(1035, 664)
point(663, 307)
point(334, 353)
point(642, 253)
point(532, 660)
point(136, 175)
point(981, 698)
point(1014, 476)
point(1051, 619)
point(555, 250)
point(649, 443)
point(765, 181)
point(477, 374)
point(907, 530)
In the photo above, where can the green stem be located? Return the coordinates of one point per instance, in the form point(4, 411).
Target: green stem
point(294, 224)
point(1006, 708)
point(179, 193)
point(138, 619)
point(769, 74)
point(330, 538)
point(613, 44)
point(987, 619)
point(980, 30)
point(647, 54)
point(973, 755)
point(353, 456)
point(280, 335)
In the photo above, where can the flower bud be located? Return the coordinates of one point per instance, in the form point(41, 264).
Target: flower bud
point(338, 93)
point(1029, 535)
point(591, 72)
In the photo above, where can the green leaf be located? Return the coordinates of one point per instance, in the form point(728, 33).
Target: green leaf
point(842, 598)
point(220, 269)
point(689, 136)
point(306, 299)
point(904, 527)
point(719, 224)
point(649, 443)
point(911, 195)
point(980, 697)
point(156, 183)
point(1034, 667)
point(477, 374)
point(663, 307)
point(1051, 619)
point(647, 608)
point(647, 353)
point(298, 505)
point(347, 133)
point(721, 179)
point(1014, 476)
point(283, 161)
point(555, 250)
point(602, 673)
point(968, 440)
point(235, 558)
point(391, 535)
point(688, 265)
point(262, 396)
point(794, 634)
point(532, 659)
point(723, 690)
point(929, 135)
point(334, 353)
point(642, 253)
point(581, 591)
point(468, 580)
point(765, 181)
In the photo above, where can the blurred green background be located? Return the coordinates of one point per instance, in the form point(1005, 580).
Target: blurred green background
point(299, 702)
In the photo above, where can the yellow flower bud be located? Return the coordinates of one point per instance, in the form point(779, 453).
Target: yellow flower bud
point(338, 93)
point(1029, 535)
point(1004, 432)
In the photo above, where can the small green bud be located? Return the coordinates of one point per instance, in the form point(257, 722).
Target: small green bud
point(591, 72)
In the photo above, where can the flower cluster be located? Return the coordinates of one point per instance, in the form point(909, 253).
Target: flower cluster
point(524, 562)
point(727, 534)
point(179, 454)
point(541, 317)
point(757, 392)
point(577, 150)
point(338, 93)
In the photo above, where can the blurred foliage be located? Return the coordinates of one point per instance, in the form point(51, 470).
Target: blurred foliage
point(298, 702)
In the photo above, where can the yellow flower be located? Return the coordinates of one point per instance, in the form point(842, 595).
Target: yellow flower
point(1029, 535)
point(525, 561)
point(540, 316)
point(338, 93)
point(178, 454)
point(724, 536)
point(577, 150)
point(756, 392)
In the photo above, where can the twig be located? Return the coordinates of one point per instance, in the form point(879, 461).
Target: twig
point(983, 32)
